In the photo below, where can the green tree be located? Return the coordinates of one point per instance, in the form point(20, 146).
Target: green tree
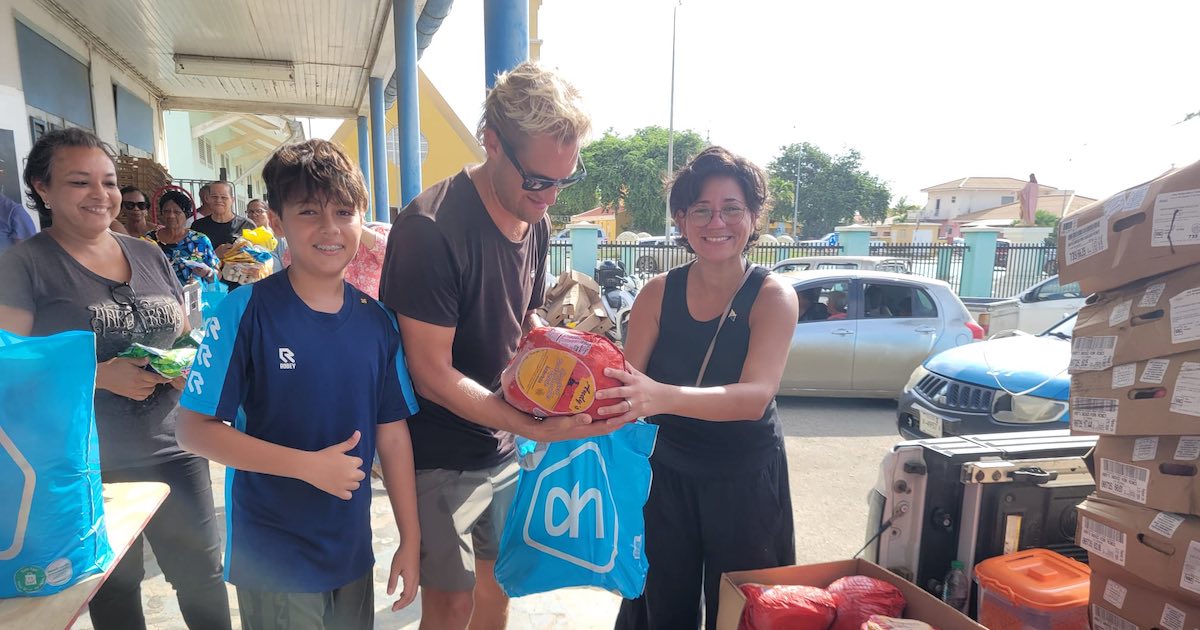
point(832, 188)
point(902, 209)
point(632, 167)
point(1045, 218)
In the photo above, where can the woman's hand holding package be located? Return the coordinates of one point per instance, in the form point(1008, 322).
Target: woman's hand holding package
point(639, 397)
point(128, 378)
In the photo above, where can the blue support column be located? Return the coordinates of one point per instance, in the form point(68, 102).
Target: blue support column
point(505, 36)
point(379, 174)
point(979, 265)
point(408, 112)
point(364, 159)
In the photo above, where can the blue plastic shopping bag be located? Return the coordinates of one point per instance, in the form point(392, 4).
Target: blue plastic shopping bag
point(211, 295)
point(52, 531)
point(577, 516)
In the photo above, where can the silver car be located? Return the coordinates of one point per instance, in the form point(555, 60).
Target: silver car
point(861, 333)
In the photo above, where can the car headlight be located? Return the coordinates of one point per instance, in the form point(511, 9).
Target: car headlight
point(916, 377)
point(1027, 409)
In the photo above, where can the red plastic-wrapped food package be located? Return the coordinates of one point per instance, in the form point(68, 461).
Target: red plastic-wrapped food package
point(859, 597)
point(557, 372)
point(790, 606)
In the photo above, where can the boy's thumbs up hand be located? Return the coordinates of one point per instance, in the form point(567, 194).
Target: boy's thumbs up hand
point(332, 470)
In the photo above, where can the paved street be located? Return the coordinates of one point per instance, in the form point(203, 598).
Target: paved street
point(834, 448)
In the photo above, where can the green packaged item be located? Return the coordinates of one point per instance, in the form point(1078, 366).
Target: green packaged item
point(169, 363)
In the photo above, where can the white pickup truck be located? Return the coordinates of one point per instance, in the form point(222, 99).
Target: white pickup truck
point(1033, 311)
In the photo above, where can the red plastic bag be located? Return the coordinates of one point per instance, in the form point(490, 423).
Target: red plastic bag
point(858, 597)
point(557, 372)
point(786, 606)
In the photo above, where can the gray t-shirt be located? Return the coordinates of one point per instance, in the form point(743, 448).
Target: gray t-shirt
point(39, 276)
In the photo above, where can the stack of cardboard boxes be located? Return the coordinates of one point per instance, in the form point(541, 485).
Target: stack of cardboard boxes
point(1135, 382)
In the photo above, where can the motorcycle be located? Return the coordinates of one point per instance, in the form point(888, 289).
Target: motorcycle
point(618, 288)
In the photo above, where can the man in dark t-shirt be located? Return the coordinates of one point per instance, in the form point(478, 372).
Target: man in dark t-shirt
point(465, 268)
point(222, 226)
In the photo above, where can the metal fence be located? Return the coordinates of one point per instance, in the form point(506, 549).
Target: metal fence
point(932, 260)
point(1019, 266)
point(1016, 268)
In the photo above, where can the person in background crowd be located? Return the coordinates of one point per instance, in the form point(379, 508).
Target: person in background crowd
point(720, 499)
point(465, 269)
point(203, 209)
point(190, 252)
point(15, 223)
point(77, 275)
point(135, 212)
point(221, 226)
point(256, 211)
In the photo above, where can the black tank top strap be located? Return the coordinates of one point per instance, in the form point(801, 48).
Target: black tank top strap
point(674, 304)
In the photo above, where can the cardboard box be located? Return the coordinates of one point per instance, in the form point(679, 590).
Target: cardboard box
point(1157, 472)
point(1143, 231)
point(1161, 546)
point(1158, 396)
point(921, 605)
point(1121, 601)
point(1153, 317)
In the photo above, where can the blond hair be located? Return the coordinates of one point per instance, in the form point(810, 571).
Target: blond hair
point(532, 101)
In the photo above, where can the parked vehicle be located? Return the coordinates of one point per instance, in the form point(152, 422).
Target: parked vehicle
point(618, 289)
point(1013, 383)
point(657, 254)
point(829, 240)
point(564, 236)
point(1034, 310)
point(862, 332)
point(876, 263)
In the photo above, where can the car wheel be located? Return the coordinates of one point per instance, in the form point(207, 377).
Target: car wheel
point(646, 264)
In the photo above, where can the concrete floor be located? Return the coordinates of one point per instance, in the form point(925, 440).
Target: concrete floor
point(834, 448)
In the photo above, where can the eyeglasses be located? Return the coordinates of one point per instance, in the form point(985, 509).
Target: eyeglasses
point(123, 295)
point(130, 205)
point(534, 183)
point(702, 216)
point(256, 211)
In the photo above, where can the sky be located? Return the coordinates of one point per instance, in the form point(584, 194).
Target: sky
point(1087, 95)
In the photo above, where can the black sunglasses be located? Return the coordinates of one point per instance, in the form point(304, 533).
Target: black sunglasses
point(123, 295)
point(130, 205)
point(534, 183)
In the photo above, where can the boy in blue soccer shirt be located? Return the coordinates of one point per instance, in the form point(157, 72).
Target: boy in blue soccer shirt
point(310, 373)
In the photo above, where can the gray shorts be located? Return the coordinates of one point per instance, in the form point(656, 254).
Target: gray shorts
point(349, 607)
point(462, 516)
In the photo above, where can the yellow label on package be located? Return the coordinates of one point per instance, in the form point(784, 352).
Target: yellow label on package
point(545, 374)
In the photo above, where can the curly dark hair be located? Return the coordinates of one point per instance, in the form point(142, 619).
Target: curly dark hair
point(182, 200)
point(684, 189)
point(41, 158)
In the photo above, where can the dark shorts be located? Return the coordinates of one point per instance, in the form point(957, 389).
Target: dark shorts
point(462, 516)
point(349, 607)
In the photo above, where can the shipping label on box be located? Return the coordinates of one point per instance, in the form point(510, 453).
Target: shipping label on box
point(1150, 318)
point(1159, 396)
point(1141, 541)
point(1158, 472)
point(1122, 601)
point(1143, 231)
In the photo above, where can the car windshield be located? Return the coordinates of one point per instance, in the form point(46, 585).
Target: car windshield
point(1062, 329)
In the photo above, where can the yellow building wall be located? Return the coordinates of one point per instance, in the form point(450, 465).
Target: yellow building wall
point(451, 144)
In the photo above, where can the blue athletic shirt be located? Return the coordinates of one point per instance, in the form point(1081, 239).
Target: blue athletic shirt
point(282, 372)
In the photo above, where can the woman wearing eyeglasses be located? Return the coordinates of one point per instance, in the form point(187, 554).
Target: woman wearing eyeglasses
point(706, 349)
point(78, 275)
point(190, 252)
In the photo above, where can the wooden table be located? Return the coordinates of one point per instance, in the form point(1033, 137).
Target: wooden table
point(127, 509)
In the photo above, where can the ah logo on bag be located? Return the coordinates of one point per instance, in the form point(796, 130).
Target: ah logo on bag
point(560, 514)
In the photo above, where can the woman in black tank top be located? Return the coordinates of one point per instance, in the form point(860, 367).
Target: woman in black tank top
point(706, 349)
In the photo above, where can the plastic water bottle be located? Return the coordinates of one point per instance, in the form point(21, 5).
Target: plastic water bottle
point(956, 589)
